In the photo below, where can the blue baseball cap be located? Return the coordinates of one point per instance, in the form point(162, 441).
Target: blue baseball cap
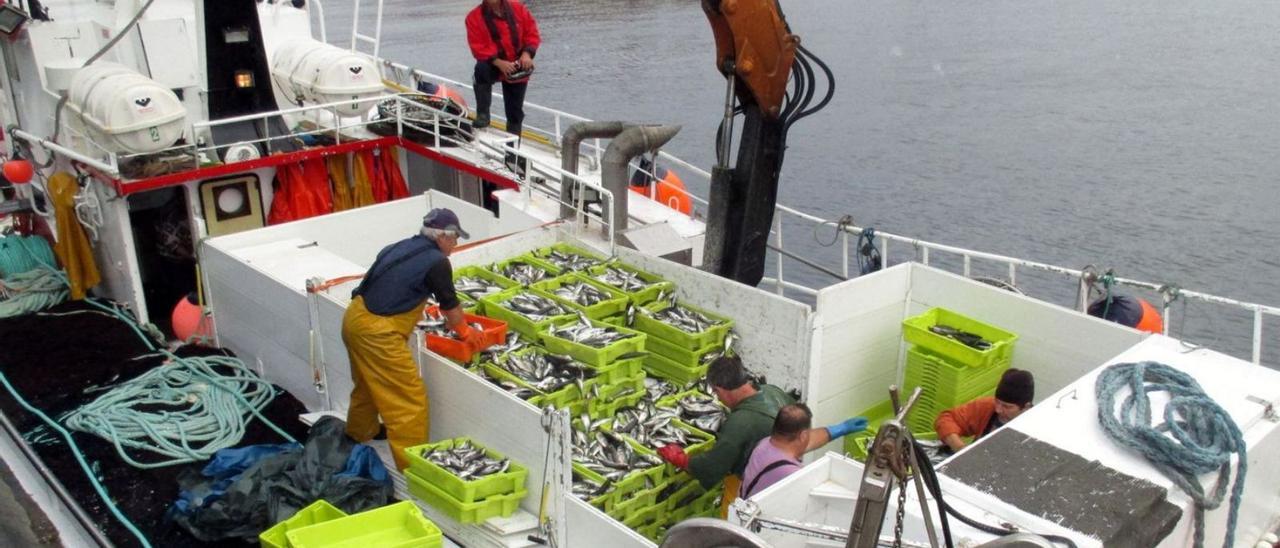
point(444, 219)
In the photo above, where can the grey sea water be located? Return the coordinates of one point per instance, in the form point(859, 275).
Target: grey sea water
point(1140, 135)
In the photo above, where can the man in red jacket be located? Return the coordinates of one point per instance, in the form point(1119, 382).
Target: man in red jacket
point(504, 39)
point(982, 416)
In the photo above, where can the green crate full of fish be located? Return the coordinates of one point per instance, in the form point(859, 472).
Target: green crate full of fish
point(640, 286)
point(466, 470)
point(697, 409)
point(525, 269)
point(580, 292)
point(592, 488)
point(649, 427)
point(592, 342)
point(682, 324)
point(607, 457)
point(548, 379)
point(474, 282)
point(959, 338)
point(603, 400)
point(662, 366)
point(569, 258)
point(637, 502)
point(528, 311)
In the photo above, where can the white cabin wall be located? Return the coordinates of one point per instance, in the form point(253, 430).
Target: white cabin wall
point(774, 331)
point(858, 334)
point(1057, 348)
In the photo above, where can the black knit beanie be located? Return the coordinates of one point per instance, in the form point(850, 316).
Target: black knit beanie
point(1016, 387)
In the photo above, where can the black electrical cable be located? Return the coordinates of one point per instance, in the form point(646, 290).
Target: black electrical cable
point(930, 477)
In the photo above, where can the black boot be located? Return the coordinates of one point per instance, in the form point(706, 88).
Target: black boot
point(484, 98)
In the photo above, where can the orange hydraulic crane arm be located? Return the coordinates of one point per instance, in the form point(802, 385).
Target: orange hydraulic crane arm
point(754, 44)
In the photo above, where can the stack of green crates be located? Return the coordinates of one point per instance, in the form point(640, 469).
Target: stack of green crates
point(947, 371)
point(320, 525)
point(677, 354)
point(466, 501)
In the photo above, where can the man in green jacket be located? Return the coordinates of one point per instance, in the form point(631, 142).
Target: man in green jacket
point(752, 411)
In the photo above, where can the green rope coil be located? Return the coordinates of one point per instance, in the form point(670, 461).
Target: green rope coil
point(29, 281)
point(20, 254)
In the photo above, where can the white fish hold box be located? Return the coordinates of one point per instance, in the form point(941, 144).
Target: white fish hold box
point(123, 111)
point(307, 71)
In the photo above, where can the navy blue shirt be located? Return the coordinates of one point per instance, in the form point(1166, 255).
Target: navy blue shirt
point(406, 273)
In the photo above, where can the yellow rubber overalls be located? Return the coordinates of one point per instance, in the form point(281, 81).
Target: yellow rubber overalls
point(387, 381)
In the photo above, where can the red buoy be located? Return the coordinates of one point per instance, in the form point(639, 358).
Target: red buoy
point(189, 321)
point(18, 171)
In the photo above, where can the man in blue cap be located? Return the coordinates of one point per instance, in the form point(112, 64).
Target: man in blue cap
point(383, 312)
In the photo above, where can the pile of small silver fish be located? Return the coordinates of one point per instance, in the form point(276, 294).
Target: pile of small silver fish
point(475, 286)
point(585, 489)
point(656, 389)
point(533, 306)
point(685, 319)
point(702, 411)
point(546, 372)
point(582, 332)
point(582, 293)
point(524, 273)
point(622, 279)
point(569, 261)
point(650, 426)
point(512, 344)
point(440, 328)
point(516, 390)
point(608, 455)
point(467, 461)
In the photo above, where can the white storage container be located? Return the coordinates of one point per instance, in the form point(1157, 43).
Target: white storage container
point(308, 71)
point(123, 111)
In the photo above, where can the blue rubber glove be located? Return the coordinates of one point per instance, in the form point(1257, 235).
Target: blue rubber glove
point(850, 426)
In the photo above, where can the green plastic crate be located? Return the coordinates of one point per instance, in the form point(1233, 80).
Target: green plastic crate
point(948, 382)
point(319, 511)
point(657, 285)
point(654, 531)
point(568, 396)
point(599, 357)
point(465, 491)
point(464, 512)
point(604, 501)
point(498, 267)
point(399, 525)
point(671, 402)
point(662, 366)
point(613, 397)
point(691, 341)
point(494, 308)
point(916, 331)
point(856, 444)
point(681, 355)
point(617, 303)
point(567, 248)
point(635, 503)
point(477, 271)
point(643, 517)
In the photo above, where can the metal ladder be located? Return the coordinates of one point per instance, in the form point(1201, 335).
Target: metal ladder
point(357, 38)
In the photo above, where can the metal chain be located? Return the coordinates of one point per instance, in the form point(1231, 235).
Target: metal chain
point(902, 510)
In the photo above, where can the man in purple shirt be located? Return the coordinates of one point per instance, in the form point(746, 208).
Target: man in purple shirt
point(778, 455)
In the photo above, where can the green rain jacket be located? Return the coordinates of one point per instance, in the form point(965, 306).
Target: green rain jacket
point(750, 422)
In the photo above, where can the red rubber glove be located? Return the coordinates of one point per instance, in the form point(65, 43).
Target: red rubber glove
point(473, 338)
point(675, 455)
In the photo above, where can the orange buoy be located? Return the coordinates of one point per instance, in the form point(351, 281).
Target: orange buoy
point(188, 320)
point(1151, 322)
point(18, 171)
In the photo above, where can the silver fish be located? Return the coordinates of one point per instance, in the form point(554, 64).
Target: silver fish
point(583, 332)
point(534, 306)
point(684, 318)
point(582, 293)
point(475, 286)
point(565, 260)
point(523, 273)
point(545, 372)
point(622, 279)
point(650, 426)
point(466, 461)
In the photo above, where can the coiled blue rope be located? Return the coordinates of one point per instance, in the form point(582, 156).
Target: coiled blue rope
point(29, 279)
point(1197, 436)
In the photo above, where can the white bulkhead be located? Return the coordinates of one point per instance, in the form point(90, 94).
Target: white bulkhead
point(123, 111)
point(308, 71)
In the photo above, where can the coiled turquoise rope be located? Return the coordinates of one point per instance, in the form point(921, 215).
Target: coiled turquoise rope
point(28, 280)
point(1197, 436)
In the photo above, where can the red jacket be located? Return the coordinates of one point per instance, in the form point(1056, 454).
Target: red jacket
point(502, 37)
point(968, 420)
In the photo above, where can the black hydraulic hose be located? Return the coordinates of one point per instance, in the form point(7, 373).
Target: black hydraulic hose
point(930, 477)
point(831, 82)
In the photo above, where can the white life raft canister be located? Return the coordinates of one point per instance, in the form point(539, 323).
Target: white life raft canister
point(123, 111)
point(309, 71)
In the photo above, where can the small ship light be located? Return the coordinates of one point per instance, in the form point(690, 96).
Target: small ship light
point(244, 79)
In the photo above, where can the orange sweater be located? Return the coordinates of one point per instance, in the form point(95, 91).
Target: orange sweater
point(968, 420)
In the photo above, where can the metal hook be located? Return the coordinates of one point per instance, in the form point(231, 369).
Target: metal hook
point(1073, 395)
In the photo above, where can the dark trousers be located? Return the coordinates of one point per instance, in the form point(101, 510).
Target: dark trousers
point(512, 95)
